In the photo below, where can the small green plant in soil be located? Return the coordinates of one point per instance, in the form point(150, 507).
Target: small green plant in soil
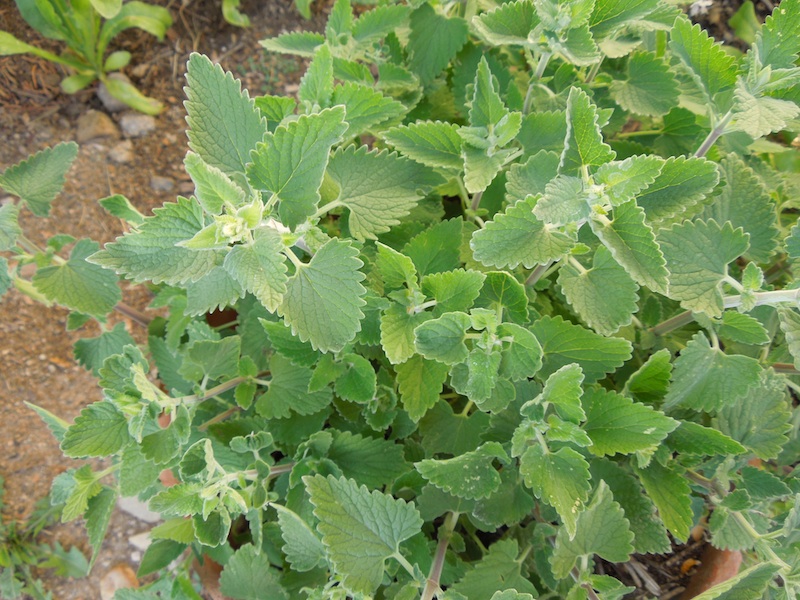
point(87, 28)
point(514, 292)
point(23, 554)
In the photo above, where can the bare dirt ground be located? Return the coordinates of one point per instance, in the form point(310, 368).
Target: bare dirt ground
point(36, 363)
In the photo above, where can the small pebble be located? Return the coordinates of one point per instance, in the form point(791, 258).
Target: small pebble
point(122, 153)
point(161, 184)
point(94, 125)
point(137, 124)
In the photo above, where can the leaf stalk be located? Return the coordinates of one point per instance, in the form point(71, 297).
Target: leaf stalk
point(432, 584)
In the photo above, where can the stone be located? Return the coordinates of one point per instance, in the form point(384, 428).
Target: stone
point(137, 508)
point(161, 184)
point(137, 125)
point(95, 125)
point(122, 153)
point(119, 577)
point(110, 103)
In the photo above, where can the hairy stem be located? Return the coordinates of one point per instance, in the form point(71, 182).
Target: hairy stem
point(714, 135)
point(785, 368)
point(476, 201)
point(446, 532)
point(537, 273)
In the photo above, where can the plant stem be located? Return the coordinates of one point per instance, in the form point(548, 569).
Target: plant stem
point(133, 314)
point(673, 323)
point(540, 67)
point(476, 201)
point(785, 368)
point(594, 71)
point(220, 417)
point(537, 273)
point(446, 532)
point(543, 60)
point(714, 135)
point(640, 133)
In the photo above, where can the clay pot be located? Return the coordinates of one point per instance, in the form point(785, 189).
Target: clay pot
point(716, 566)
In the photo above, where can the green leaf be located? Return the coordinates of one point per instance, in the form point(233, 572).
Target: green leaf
point(212, 359)
point(56, 425)
point(611, 16)
point(693, 439)
point(378, 22)
point(433, 42)
point(502, 292)
point(436, 249)
point(649, 534)
point(136, 473)
point(98, 516)
point(790, 325)
point(762, 485)
point(224, 124)
point(670, 492)
point(213, 188)
point(750, 583)
point(358, 383)
point(498, 570)
point(760, 419)
point(445, 432)
point(260, 267)
point(509, 505)
point(583, 145)
point(290, 163)
point(759, 115)
point(745, 202)
point(431, 143)
point(9, 225)
point(178, 501)
point(360, 529)
point(248, 575)
point(603, 296)
point(373, 462)
point(39, 179)
point(481, 382)
point(563, 390)
point(378, 188)
point(78, 284)
point(100, 430)
point(522, 358)
point(564, 343)
point(216, 290)
point(706, 378)
point(120, 207)
point(602, 530)
point(698, 253)
point(742, 328)
point(633, 245)
point(682, 184)
point(531, 177)
point(288, 391)
point(651, 381)
point(565, 200)
point(561, 479)
point(509, 24)
point(323, 298)
point(453, 290)
point(302, 547)
point(776, 44)
point(545, 130)
point(214, 530)
point(397, 332)
point(275, 108)
point(367, 109)
point(442, 339)
point(470, 475)
point(623, 180)
point(396, 269)
point(288, 345)
point(420, 382)
point(651, 89)
point(711, 68)
point(316, 85)
point(151, 254)
point(92, 352)
point(158, 555)
point(617, 424)
point(518, 236)
point(299, 43)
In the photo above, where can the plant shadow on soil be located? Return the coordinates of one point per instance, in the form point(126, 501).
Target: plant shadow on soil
point(36, 364)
